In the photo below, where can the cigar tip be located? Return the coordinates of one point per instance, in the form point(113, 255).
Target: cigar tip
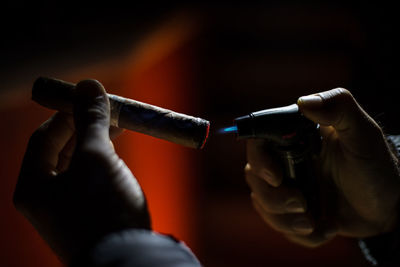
point(206, 134)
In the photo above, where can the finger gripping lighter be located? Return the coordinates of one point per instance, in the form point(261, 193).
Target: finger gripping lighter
point(294, 139)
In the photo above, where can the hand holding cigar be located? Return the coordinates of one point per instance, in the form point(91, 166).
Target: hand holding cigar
point(129, 114)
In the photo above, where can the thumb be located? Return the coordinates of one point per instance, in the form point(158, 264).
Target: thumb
point(91, 114)
point(339, 109)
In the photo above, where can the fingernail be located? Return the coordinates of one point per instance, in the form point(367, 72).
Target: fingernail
point(89, 89)
point(302, 226)
point(311, 101)
point(295, 206)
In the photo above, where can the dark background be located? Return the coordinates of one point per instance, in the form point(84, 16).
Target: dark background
point(225, 60)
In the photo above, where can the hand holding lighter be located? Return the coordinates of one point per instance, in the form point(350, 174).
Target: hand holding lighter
point(294, 139)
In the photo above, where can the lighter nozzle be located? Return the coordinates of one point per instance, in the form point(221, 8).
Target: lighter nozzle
point(282, 125)
point(245, 126)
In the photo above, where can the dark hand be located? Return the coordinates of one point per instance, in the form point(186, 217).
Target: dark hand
point(357, 171)
point(73, 187)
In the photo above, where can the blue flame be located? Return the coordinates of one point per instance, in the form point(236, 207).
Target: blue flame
point(230, 129)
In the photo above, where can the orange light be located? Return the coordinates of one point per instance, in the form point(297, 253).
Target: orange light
point(159, 73)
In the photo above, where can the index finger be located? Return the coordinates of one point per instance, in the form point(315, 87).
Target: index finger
point(46, 143)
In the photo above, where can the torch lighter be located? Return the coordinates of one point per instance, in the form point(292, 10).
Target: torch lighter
point(294, 139)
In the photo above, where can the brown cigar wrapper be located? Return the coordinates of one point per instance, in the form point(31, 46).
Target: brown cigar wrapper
point(129, 114)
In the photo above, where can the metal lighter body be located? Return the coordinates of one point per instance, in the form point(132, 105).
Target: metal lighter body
point(295, 140)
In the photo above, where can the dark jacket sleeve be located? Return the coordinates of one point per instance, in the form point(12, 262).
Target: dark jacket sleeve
point(384, 250)
point(138, 248)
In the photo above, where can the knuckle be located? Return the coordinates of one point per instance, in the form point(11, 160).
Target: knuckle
point(247, 169)
point(271, 207)
point(272, 220)
point(346, 96)
point(340, 94)
point(97, 113)
point(345, 92)
point(277, 226)
point(248, 179)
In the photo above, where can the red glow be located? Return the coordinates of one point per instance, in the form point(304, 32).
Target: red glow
point(288, 136)
point(206, 137)
point(160, 74)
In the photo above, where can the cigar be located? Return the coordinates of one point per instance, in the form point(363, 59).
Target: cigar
point(129, 114)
